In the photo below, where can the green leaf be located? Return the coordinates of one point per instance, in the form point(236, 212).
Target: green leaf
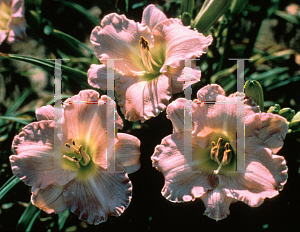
point(48, 66)
point(288, 17)
point(28, 217)
point(16, 119)
point(94, 20)
point(10, 111)
point(8, 185)
point(267, 74)
point(62, 217)
point(72, 39)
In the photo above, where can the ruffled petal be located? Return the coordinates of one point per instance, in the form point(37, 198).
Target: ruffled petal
point(152, 16)
point(47, 113)
point(85, 121)
point(50, 199)
point(33, 161)
point(177, 111)
point(182, 181)
point(273, 131)
point(99, 196)
point(141, 100)
point(127, 152)
point(97, 76)
point(217, 204)
point(178, 78)
point(210, 93)
point(181, 42)
point(119, 39)
point(219, 117)
point(263, 176)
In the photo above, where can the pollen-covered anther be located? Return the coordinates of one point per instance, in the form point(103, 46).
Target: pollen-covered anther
point(146, 55)
point(81, 158)
point(227, 155)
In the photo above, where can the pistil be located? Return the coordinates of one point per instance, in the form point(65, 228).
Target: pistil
point(80, 158)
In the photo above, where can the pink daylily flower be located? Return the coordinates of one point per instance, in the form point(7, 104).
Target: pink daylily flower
point(153, 55)
point(219, 172)
point(12, 22)
point(82, 184)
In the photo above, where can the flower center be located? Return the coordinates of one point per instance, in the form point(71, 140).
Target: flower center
point(81, 158)
point(221, 155)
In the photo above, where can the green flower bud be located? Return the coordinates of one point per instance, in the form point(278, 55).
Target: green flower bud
point(238, 6)
point(186, 19)
point(274, 109)
point(187, 6)
point(209, 14)
point(287, 113)
point(295, 123)
point(254, 90)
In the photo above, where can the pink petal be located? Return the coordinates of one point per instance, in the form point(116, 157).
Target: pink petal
point(33, 161)
point(210, 93)
point(217, 204)
point(273, 131)
point(178, 77)
point(85, 121)
point(17, 8)
point(181, 42)
point(50, 199)
point(96, 198)
point(176, 112)
point(152, 16)
point(3, 35)
point(17, 32)
point(265, 174)
point(220, 118)
point(127, 152)
point(97, 76)
point(182, 182)
point(47, 113)
point(119, 38)
point(141, 100)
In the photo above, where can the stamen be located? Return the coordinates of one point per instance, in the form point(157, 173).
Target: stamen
point(81, 156)
point(73, 159)
point(214, 154)
point(137, 73)
point(146, 55)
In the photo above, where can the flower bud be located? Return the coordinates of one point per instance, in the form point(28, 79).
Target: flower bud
point(209, 14)
point(287, 113)
point(254, 90)
point(186, 19)
point(274, 109)
point(295, 123)
point(187, 6)
point(238, 6)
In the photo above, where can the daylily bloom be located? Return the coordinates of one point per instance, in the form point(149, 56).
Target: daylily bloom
point(153, 55)
point(12, 22)
point(220, 170)
point(82, 183)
